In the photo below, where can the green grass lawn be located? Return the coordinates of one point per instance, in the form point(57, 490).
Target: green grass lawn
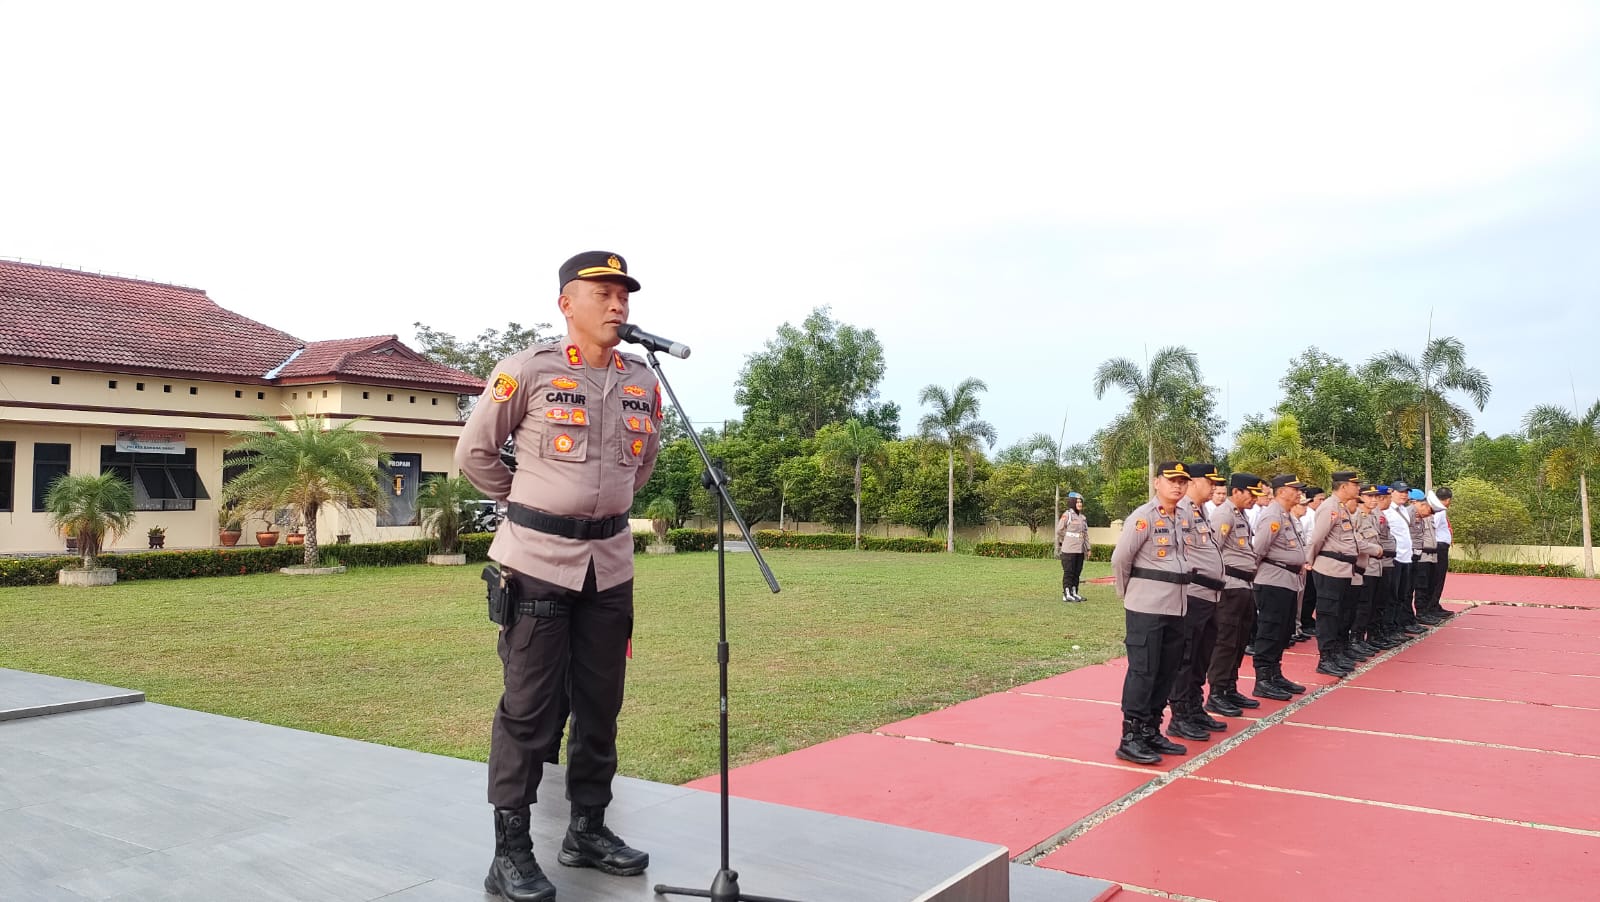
point(405, 656)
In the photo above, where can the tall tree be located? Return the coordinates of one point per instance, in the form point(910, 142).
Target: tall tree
point(1164, 409)
point(809, 376)
point(1413, 393)
point(306, 465)
point(1269, 448)
point(478, 356)
point(1570, 445)
point(1335, 409)
point(853, 445)
point(953, 423)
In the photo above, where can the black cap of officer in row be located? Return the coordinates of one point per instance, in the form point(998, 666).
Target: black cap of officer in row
point(1343, 476)
point(1207, 472)
point(1245, 482)
point(1172, 469)
point(602, 266)
point(1286, 479)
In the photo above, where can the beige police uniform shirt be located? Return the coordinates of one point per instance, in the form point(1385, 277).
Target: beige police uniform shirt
point(1369, 547)
point(1150, 540)
point(1234, 534)
point(1281, 548)
point(1424, 541)
point(1072, 533)
point(1200, 549)
point(587, 438)
point(1333, 531)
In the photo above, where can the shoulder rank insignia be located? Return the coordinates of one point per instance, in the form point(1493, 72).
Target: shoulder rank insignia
point(504, 387)
point(616, 361)
point(574, 356)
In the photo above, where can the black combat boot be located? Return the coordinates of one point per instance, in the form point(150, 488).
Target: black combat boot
point(1244, 701)
point(1160, 744)
point(1181, 725)
point(591, 844)
point(1133, 747)
point(1332, 667)
point(1266, 688)
point(1222, 703)
point(515, 875)
point(1286, 684)
point(1200, 718)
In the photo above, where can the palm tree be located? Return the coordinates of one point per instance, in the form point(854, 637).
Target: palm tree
point(852, 444)
point(306, 465)
point(446, 502)
point(1154, 414)
point(91, 508)
point(954, 424)
point(1572, 448)
point(1276, 447)
point(662, 511)
point(1413, 393)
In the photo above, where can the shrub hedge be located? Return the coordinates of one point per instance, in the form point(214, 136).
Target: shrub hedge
point(838, 541)
point(1035, 550)
point(1460, 565)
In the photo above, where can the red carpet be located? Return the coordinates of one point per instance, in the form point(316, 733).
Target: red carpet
point(1523, 589)
point(1042, 725)
point(1471, 779)
point(1475, 720)
point(1013, 800)
point(1529, 659)
point(1247, 845)
point(1474, 682)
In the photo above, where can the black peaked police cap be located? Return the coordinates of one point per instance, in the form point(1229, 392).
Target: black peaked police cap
point(1279, 482)
point(1244, 482)
point(602, 266)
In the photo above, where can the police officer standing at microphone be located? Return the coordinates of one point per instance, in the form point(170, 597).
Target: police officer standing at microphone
point(585, 419)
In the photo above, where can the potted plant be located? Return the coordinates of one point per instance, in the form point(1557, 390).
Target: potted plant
point(268, 536)
point(228, 531)
point(71, 540)
point(296, 535)
point(305, 464)
point(446, 503)
point(90, 508)
point(157, 536)
point(662, 511)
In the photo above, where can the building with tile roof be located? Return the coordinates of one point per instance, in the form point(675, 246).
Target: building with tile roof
point(105, 372)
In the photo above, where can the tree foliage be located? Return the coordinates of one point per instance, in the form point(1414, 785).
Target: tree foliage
point(92, 508)
point(1411, 394)
point(952, 422)
point(1170, 411)
point(479, 355)
point(818, 373)
point(1270, 448)
point(1482, 514)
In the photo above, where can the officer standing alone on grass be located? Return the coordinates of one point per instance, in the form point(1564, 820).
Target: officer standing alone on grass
point(585, 419)
point(1236, 611)
point(1150, 574)
point(1072, 544)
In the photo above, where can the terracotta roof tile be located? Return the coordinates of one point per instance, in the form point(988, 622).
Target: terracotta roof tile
point(70, 317)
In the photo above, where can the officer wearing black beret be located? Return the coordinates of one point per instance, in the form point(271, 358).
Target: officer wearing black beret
point(586, 422)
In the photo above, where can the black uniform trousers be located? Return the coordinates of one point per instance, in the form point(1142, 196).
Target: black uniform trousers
point(1421, 587)
point(1386, 608)
point(1275, 610)
point(1330, 592)
point(1199, 641)
point(1440, 570)
point(1071, 571)
point(1361, 624)
point(1155, 649)
point(1400, 577)
point(1308, 609)
point(1236, 623)
point(545, 658)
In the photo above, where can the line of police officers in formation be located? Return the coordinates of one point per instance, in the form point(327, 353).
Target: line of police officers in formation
point(1213, 569)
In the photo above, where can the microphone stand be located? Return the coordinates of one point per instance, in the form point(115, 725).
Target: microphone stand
point(725, 886)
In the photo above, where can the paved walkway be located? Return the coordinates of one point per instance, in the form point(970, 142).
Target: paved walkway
point(1463, 766)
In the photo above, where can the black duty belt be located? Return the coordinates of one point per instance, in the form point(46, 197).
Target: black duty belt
point(542, 608)
point(569, 527)
point(1346, 558)
point(1160, 576)
point(1239, 573)
point(1200, 579)
point(1292, 568)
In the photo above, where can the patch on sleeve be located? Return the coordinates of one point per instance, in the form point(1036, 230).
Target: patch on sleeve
point(1275, 526)
point(504, 387)
point(1141, 524)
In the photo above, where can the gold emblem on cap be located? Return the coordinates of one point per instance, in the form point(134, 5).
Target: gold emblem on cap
point(613, 262)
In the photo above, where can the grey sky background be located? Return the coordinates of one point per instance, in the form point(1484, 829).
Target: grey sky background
point(1010, 191)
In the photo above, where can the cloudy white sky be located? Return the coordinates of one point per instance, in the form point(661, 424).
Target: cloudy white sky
point(1010, 191)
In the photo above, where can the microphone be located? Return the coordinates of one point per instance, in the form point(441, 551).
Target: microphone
point(632, 334)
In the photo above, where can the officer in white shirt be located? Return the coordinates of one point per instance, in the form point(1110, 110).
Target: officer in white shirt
point(1440, 502)
point(1308, 593)
point(1399, 517)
